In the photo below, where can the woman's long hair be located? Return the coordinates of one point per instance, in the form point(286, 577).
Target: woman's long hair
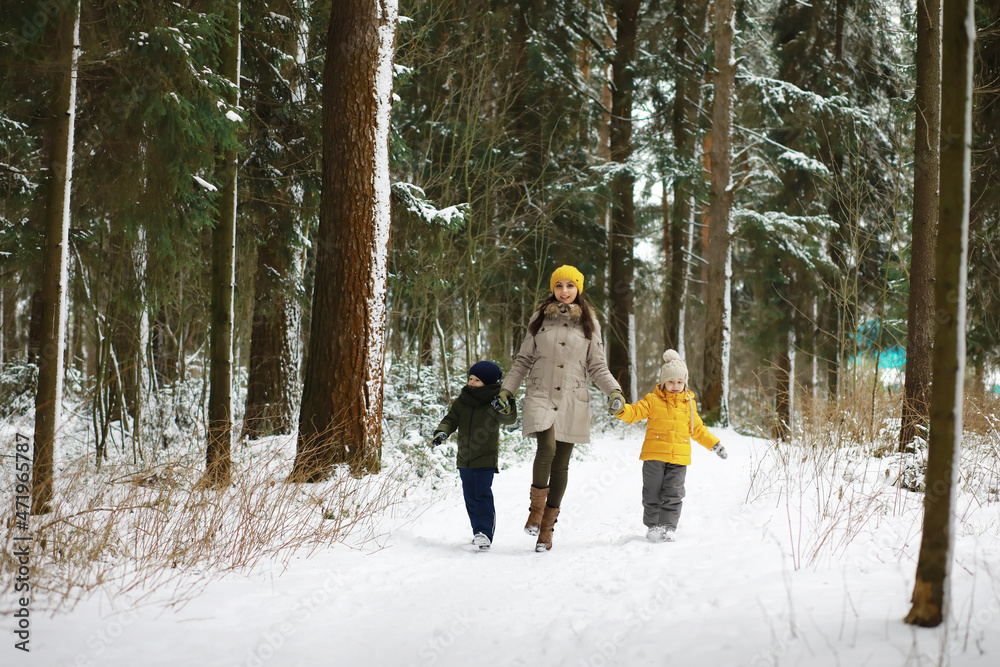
point(586, 315)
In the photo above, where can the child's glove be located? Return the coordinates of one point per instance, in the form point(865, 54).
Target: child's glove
point(616, 403)
point(720, 450)
point(501, 403)
point(438, 438)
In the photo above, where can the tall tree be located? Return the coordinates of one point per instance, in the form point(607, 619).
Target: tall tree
point(718, 304)
point(984, 219)
point(931, 588)
point(48, 399)
point(622, 237)
point(218, 460)
point(341, 414)
point(920, 317)
point(843, 70)
point(277, 175)
point(689, 26)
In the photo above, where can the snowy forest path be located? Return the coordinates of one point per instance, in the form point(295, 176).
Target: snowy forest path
point(728, 592)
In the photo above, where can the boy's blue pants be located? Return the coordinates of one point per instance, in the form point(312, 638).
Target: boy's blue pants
point(477, 486)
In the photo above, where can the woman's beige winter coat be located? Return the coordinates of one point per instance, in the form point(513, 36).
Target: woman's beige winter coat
point(556, 365)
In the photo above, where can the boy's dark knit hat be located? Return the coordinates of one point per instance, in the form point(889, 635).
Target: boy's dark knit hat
point(486, 371)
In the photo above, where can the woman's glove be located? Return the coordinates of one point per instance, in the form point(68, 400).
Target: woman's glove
point(720, 450)
point(502, 402)
point(616, 403)
point(439, 437)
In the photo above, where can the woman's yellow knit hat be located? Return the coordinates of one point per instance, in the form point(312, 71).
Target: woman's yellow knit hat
point(567, 272)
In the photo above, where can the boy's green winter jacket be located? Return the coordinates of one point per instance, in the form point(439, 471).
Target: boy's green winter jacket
point(478, 426)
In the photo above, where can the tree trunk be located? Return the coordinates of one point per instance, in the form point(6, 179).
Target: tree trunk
point(8, 323)
point(218, 461)
point(56, 257)
point(35, 314)
point(783, 369)
point(274, 344)
point(718, 302)
point(828, 342)
point(689, 26)
point(622, 237)
point(123, 322)
point(838, 31)
point(803, 342)
point(5, 297)
point(341, 414)
point(920, 316)
point(930, 592)
point(273, 366)
point(76, 346)
point(164, 345)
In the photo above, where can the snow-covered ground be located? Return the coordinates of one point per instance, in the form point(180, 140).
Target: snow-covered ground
point(752, 580)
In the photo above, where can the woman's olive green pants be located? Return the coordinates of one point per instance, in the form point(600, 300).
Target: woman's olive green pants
point(551, 468)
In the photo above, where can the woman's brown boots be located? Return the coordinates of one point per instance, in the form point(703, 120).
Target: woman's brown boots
point(536, 509)
point(544, 542)
point(541, 518)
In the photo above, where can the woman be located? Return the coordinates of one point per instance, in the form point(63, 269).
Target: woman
point(561, 352)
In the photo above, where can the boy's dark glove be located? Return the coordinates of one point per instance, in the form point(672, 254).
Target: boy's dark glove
point(616, 403)
point(501, 402)
point(720, 451)
point(438, 438)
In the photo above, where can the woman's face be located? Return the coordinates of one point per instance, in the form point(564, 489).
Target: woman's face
point(565, 291)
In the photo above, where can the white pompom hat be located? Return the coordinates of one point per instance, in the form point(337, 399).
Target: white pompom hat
point(673, 368)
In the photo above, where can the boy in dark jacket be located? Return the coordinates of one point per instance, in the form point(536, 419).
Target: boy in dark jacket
point(477, 418)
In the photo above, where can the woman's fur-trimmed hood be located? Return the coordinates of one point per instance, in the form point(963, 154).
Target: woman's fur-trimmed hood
point(554, 309)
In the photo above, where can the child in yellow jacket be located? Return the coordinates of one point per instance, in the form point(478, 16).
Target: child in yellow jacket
point(672, 421)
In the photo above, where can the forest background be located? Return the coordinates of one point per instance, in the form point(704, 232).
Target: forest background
point(506, 162)
point(524, 135)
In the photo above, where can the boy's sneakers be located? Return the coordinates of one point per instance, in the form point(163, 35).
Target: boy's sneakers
point(661, 534)
point(481, 541)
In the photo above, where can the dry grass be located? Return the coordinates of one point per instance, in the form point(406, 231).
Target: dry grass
point(138, 530)
point(982, 412)
point(840, 476)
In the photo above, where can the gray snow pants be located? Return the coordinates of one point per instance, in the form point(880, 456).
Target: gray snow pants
point(662, 493)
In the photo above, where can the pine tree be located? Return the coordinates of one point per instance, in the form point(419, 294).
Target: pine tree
point(930, 591)
point(623, 228)
point(718, 333)
point(151, 121)
point(920, 318)
point(218, 461)
point(48, 400)
point(341, 416)
point(279, 180)
point(25, 89)
point(689, 29)
point(834, 115)
point(505, 138)
point(984, 219)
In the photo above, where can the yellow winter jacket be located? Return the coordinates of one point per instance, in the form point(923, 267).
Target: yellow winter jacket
point(672, 421)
